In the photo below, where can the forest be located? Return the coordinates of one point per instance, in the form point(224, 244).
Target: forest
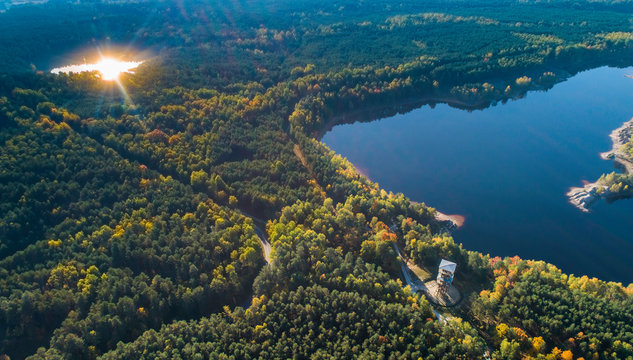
point(130, 222)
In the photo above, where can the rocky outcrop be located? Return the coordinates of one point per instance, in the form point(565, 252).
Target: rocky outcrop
point(584, 197)
point(620, 137)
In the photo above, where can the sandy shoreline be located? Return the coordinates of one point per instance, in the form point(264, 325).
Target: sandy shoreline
point(456, 219)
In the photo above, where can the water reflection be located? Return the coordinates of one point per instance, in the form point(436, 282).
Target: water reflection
point(507, 169)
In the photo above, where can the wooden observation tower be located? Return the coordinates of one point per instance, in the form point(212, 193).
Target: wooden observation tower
point(445, 275)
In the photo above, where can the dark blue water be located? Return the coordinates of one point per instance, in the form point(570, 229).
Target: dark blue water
point(507, 169)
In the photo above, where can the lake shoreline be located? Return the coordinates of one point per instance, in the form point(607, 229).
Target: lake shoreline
point(508, 168)
point(620, 137)
point(445, 96)
point(402, 107)
point(584, 197)
point(456, 219)
point(448, 222)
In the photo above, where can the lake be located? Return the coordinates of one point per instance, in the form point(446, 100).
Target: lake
point(507, 169)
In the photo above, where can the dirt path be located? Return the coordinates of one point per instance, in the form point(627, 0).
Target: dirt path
point(301, 156)
point(265, 243)
point(259, 226)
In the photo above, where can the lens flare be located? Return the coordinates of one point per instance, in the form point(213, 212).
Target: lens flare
point(109, 69)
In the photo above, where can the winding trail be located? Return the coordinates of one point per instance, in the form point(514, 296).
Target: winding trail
point(406, 265)
point(302, 158)
point(417, 285)
point(266, 247)
point(441, 318)
point(258, 225)
point(265, 243)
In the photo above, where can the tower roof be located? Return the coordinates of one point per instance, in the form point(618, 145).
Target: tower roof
point(448, 265)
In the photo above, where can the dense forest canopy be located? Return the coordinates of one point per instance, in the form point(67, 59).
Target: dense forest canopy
point(133, 226)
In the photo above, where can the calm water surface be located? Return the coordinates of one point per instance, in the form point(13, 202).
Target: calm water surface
point(507, 169)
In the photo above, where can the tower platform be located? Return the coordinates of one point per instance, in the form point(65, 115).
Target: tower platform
point(451, 298)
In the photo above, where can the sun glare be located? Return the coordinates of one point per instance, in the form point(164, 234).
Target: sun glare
point(108, 68)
